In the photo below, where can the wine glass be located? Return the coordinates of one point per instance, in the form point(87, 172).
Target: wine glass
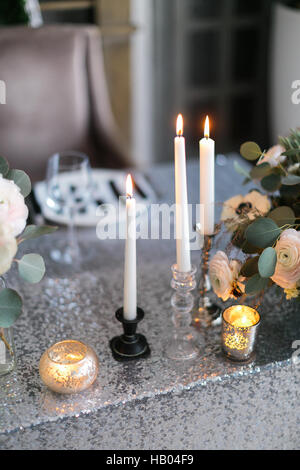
point(69, 190)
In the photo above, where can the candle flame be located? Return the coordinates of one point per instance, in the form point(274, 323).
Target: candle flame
point(206, 128)
point(179, 125)
point(129, 186)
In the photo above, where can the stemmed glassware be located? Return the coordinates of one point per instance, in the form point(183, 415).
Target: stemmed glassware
point(69, 190)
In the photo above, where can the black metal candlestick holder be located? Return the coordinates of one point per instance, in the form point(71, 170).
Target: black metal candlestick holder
point(131, 345)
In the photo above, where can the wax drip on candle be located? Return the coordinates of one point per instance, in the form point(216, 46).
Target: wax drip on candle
point(206, 128)
point(179, 126)
point(129, 187)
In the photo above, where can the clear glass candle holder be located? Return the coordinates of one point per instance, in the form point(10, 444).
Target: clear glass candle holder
point(69, 367)
point(239, 331)
point(182, 345)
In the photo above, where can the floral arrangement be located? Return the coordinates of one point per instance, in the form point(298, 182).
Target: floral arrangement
point(15, 185)
point(264, 225)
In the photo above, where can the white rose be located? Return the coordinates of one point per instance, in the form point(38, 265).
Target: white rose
point(274, 156)
point(13, 210)
point(224, 275)
point(287, 272)
point(8, 249)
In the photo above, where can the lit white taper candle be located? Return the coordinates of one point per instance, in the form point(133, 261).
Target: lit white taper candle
point(207, 181)
point(182, 216)
point(130, 255)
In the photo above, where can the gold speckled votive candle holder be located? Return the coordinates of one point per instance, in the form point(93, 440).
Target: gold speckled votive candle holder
point(239, 330)
point(69, 367)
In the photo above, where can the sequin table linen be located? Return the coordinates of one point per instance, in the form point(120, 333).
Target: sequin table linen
point(156, 403)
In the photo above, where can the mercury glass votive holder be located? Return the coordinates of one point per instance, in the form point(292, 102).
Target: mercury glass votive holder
point(239, 331)
point(69, 367)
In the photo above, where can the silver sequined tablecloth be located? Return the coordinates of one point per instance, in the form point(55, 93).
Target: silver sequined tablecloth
point(155, 403)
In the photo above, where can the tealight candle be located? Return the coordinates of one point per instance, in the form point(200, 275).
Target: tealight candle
point(69, 367)
point(239, 330)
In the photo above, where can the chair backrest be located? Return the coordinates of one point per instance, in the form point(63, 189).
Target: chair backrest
point(56, 97)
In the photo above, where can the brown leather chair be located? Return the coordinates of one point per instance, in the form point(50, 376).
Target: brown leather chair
point(56, 97)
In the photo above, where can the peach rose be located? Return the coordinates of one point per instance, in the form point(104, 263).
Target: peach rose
point(224, 275)
point(287, 273)
point(251, 206)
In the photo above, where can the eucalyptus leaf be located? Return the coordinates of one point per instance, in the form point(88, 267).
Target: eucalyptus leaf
point(256, 284)
point(271, 182)
point(251, 151)
point(33, 231)
point(291, 180)
point(250, 267)
point(291, 153)
point(262, 233)
point(32, 268)
point(282, 216)
point(4, 166)
point(240, 170)
point(21, 179)
point(260, 171)
point(10, 307)
point(267, 263)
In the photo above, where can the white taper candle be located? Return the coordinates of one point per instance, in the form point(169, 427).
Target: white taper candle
point(207, 181)
point(130, 303)
point(182, 216)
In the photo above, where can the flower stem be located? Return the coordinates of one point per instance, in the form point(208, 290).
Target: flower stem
point(2, 337)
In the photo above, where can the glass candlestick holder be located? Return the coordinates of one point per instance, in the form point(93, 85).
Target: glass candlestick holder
point(182, 345)
point(206, 311)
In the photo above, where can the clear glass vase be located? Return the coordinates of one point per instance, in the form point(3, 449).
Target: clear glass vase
point(7, 351)
point(7, 347)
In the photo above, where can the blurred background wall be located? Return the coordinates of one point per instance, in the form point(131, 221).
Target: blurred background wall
point(197, 57)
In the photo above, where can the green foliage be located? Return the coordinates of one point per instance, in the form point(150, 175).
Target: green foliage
point(241, 171)
point(13, 12)
point(260, 171)
point(32, 268)
point(33, 231)
point(251, 151)
point(4, 166)
point(291, 180)
point(10, 307)
point(271, 182)
point(267, 263)
point(291, 144)
point(256, 284)
point(283, 216)
point(21, 179)
point(262, 233)
point(250, 267)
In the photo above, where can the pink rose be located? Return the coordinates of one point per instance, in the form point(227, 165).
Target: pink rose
point(13, 210)
point(274, 156)
point(287, 272)
point(8, 249)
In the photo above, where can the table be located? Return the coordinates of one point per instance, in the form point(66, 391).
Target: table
point(155, 403)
